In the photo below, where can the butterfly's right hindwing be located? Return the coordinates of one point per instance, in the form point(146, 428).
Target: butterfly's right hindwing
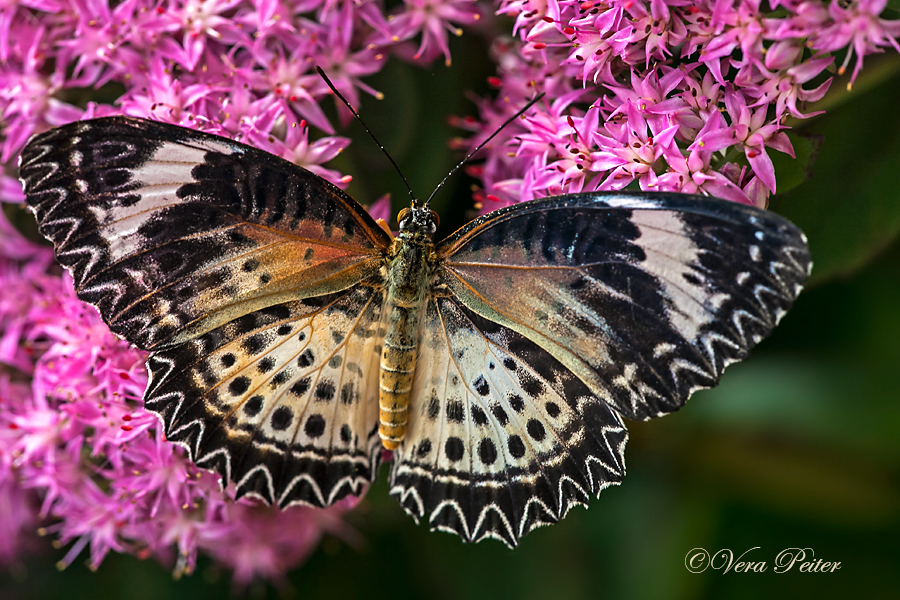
point(502, 437)
point(172, 232)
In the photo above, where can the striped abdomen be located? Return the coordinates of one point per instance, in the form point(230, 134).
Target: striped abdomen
point(409, 275)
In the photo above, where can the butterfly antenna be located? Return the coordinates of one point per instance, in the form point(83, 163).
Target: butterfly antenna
point(322, 74)
point(484, 143)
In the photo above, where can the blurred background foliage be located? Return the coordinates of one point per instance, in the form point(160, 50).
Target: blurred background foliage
point(798, 447)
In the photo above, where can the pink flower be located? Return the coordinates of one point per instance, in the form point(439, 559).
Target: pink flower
point(26, 93)
point(858, 26)
point(297, 148)
point(194, 26)
point(632, 150)
point(693, 174)
point(655, 34)
point(598, 44)
point(165, 97)
point(761, 55)
point(752, 133)
point(434, 19)
point(99, 40)
point(784, 87)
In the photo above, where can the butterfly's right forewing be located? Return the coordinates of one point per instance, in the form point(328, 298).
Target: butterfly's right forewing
point(645, 297)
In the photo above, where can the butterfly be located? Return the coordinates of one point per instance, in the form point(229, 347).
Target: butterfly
point(292, 338)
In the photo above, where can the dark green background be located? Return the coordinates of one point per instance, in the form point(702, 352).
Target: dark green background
point(798, 447)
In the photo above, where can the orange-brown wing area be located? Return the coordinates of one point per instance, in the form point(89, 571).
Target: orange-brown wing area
point(171, 232)
point(644, 297)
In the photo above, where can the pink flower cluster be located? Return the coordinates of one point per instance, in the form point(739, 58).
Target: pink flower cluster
point(77, 451)
point(240, 68)
point(671, 95)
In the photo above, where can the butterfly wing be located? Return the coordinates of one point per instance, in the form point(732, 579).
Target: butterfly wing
point(171, 232)
point(281, 400)
point(256, 284)
point(551, 319)
point(645, 297)
point(502, 438)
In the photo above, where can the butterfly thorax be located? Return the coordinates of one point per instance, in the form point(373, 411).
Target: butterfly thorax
point(410, 271)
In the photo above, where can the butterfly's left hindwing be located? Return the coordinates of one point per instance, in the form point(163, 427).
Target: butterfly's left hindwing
point(280, 400)
point(645, 297)
point(172, 232)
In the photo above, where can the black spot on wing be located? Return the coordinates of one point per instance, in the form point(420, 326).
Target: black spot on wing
point(454, 449)
point(325, 391)
point(455, 411)
point(239, 385)
point(253, 406)
point(315, 426)
point(487, 451)
point(281, 418)
point(306, 359)
point(478, 416)
point(515, 446)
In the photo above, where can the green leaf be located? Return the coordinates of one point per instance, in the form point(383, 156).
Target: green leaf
point(792, 172)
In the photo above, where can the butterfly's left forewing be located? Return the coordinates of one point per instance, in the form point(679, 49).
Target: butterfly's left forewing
point(172, 232)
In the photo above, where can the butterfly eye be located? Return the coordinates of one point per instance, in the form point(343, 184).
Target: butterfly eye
point(436, 219)
point(420, 220)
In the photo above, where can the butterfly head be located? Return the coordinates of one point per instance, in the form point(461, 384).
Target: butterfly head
point(418, 220)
